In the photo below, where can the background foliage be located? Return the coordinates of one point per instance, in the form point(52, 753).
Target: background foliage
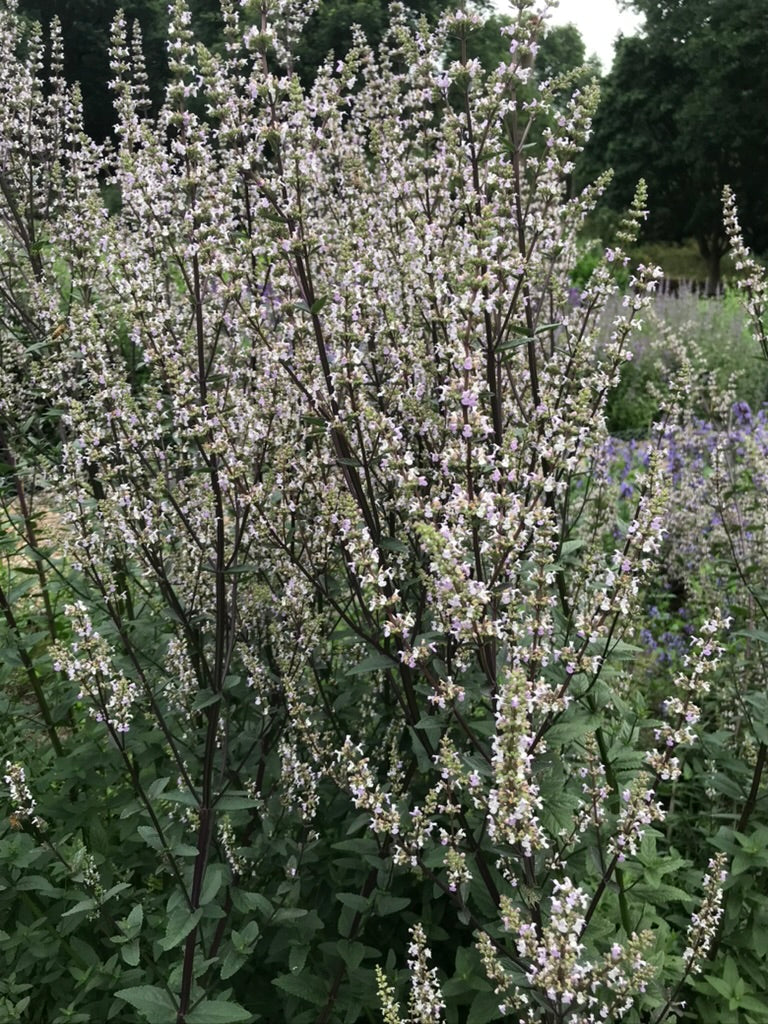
point(679, 107)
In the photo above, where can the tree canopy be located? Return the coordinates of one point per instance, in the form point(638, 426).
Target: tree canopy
point(86, 33)
point(679, 109)
point(561, 49)
point(86, 28)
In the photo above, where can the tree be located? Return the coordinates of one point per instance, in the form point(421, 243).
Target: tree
point(562, 50)
point(330, 27)
point(86, 25)
point(679, 109)
point(85, 29)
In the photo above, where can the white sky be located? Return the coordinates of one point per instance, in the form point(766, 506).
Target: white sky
point(599, 22)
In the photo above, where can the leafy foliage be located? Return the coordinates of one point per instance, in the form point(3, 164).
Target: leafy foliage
point(678, 109)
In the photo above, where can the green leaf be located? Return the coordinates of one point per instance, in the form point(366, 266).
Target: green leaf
point(179, 926)
point(114, 890)
point(485, 1007)
point(135, 919)
point(661, 894)
point(204, 699)
point(236, 802)
point(511, 343)
point(215, 877)
point(720, 986)
point(149, 834)
point(354, 901)
point(156, 788)
point(83, 951)
point(352, 953)
point(233, 961)
point(303, 986)
point(34, 883)
point(288, 914)
point(181, 796)
point(372, 663)
point(752, 634)
point(297, 957)
point(393, 544)
point(152, 1002)
point(573, 726)
point(130, 952)
point(80, 907)
point(215, 1011)
point(386, 904)
point(546, 327)
point(568, 547)
point(622, 651)
point(244, 940)
point(252, 901)
point(184, 850)
point(760, 730)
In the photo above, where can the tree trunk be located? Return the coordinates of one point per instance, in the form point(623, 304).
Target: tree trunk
point(712, 249)
point(713, 272)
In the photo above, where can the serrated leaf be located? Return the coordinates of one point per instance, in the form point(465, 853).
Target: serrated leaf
point(156, 788)
point(623, 651)
point(152, 1002)
point(236, 802)
point(114, 890)
point(386, 904)
point(80, 907)
point(350, 952)
point(365, 848)
point(184, 850)
point(574, 727)
point(393, 544)
point(135, 919)
point(130, 952)
point(181, 796)
point(215, 877)
point(568, 547)
point(752, 634)
point(233, 961)
point(485, 1008)
point(721, 987)
point(512, 343)
point(283, 914)
point(216, 1011)
point(178, 928)
point(83, 951)
point(253, 901)
point(661, 895)
point(34, 883)
point(297, 957)
point(373, 663)
point(243, 940)
point(354, 901)
point(303, 986)
point(149, 834)
point(204, 699)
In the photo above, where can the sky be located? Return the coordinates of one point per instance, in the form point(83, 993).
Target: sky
point(599, 22)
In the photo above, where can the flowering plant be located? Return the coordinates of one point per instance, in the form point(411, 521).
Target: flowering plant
point(347, 584)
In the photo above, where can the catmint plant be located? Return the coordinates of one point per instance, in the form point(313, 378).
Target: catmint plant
point(349, 588)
